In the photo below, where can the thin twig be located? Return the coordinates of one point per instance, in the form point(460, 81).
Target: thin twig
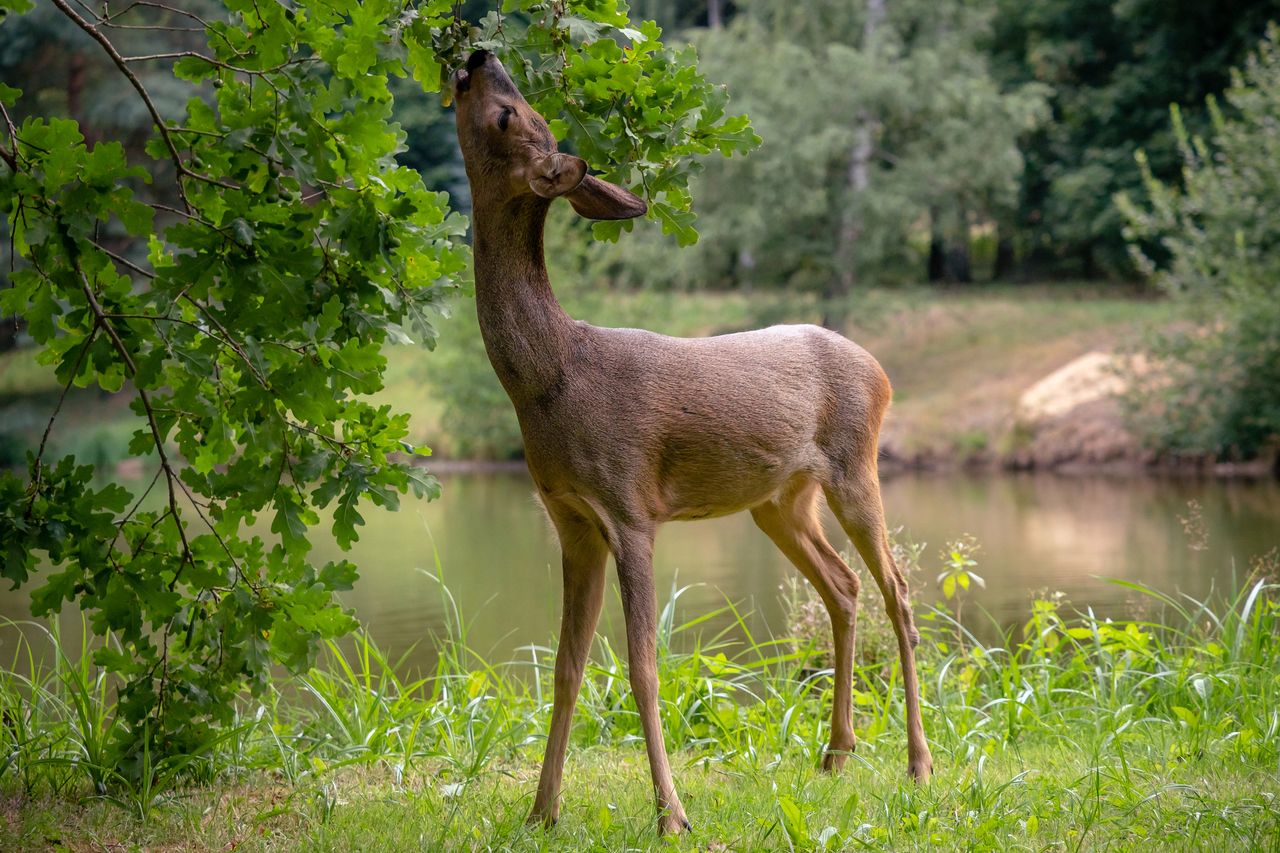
point(44, 439)
point(170, 475)
point(128, 73)
point(120, 525)
point(110, 18)
point(227, 337)
point(120, 259)
point(122, 64)
point(10, 157)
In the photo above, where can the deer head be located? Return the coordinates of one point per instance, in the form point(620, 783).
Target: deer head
point(510, 153)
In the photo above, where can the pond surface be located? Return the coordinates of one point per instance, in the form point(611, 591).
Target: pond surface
point(1039, 532)
point(498, 555)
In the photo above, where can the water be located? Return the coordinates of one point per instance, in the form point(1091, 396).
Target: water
point(1036, 532)
point(499, 557)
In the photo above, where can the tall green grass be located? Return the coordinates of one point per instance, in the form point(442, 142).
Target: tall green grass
point(1196, 684)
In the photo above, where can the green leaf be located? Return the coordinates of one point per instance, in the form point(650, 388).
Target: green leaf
point(194, 69)
point(339, 575)
point(243, 232)
point(426, 69)
point(346, 518)
point(292, 519)
point(423, 484)
point(608, 231)
point(675, 221)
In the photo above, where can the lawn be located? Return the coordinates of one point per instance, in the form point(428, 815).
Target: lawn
point(1034, 796)
point(1074, 733)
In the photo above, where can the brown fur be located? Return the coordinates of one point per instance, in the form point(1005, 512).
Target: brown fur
point(625, 429)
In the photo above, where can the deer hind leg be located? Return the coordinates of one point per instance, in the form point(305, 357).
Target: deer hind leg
point(792, 521)
point(856, 503)
point(583, 554)
point(633, 551)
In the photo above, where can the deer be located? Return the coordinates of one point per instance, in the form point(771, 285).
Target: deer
point(625, 429)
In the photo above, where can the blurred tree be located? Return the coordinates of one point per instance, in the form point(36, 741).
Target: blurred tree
point(1216, 383)
point(1114, 67)
point(882, 125)
point(676, 15)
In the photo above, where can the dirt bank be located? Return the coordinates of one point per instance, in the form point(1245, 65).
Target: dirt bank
point(1070, 420)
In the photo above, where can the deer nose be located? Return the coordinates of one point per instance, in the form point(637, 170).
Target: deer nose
point(462, 78)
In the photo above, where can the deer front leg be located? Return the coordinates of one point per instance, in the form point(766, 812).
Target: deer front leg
point(634, 554)
point(584, 554)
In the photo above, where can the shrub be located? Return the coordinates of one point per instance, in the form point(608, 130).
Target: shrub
point(1211, 245)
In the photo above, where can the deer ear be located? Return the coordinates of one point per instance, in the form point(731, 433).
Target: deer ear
point(597, 199)
point(556, 174)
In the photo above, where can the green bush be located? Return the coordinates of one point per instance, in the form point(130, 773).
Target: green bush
point(1211, 245)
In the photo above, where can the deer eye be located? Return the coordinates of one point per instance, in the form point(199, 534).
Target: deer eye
point(505, 118)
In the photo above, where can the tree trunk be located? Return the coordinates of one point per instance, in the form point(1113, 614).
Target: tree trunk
point(75, 84)
point(845, 276)
point(715, 14)
point(937, 247)
point(1088, 267)
point(958, 268)
point(1002, 270)
point(746, 267)
point(959, 265)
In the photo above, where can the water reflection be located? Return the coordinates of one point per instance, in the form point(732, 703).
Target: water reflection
point(498, 555)
point(500, 560)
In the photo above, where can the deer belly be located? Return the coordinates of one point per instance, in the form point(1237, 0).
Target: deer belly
point(711, 483)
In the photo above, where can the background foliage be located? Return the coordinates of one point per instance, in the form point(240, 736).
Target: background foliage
point(898, 131)
point(1217, 381)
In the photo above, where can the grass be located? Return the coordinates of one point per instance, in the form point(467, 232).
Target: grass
point(1071, 733)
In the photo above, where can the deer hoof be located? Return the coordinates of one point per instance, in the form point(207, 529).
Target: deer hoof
point(920, 769)
point(835, 757)
point(673, 823)
point(546, 819)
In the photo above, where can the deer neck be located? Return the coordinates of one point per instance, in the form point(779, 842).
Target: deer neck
point(527, 335)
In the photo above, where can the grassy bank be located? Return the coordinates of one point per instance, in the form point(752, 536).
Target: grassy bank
point(959, 358)
point(1073, 733)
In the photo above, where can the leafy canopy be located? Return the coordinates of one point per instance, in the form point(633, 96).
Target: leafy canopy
point(240, 275)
